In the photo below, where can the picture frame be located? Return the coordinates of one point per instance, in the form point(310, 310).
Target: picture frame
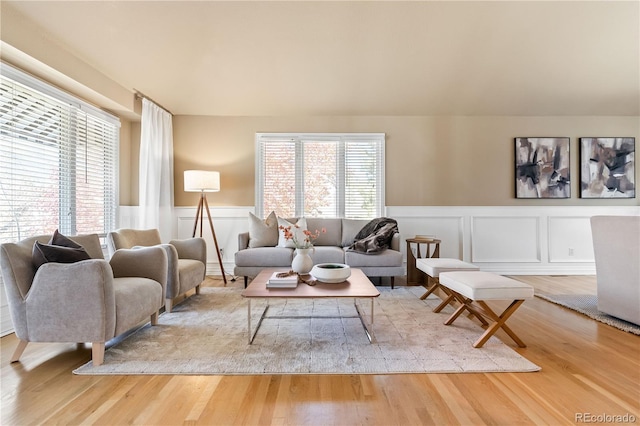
point(542, 167)
point(607, 167)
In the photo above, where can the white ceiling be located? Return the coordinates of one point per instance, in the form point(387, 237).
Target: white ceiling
point(360, 57)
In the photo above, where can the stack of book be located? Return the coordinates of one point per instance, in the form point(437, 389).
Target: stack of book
point(290, 281)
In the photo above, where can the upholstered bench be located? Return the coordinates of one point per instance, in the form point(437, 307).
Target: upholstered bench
point(433, 266)
point(473, 288)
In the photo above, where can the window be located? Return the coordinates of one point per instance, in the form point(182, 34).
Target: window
point(320, 175)
point(59, 160)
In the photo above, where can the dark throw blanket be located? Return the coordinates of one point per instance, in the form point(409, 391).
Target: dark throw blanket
point(375, 236)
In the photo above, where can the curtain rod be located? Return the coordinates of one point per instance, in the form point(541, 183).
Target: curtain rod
point(141, 95)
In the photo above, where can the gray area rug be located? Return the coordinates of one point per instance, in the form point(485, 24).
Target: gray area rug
point(587, 304)
point(207, 334)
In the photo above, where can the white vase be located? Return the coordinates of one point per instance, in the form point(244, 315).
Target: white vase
point(302, 262)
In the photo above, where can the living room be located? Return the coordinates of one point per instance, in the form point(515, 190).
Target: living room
point(450, 84)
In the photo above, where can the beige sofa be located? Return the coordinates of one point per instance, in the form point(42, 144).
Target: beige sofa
point(616, 246)
point(329, 247)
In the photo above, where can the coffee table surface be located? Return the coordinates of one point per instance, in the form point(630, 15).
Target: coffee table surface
point(358, 285)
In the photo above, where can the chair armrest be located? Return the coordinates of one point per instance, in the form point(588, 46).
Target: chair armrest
point(73, 302)
point(145, 262)
point(191, 248)
point(243, 241)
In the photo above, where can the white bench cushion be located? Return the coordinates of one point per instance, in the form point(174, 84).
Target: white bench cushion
point(433, 266)
point(480, 285)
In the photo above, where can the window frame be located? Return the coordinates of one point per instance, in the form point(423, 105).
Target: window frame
point(74, 137)
point(342, 140)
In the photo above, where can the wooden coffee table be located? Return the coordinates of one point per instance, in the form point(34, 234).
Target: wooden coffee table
point(358, 286)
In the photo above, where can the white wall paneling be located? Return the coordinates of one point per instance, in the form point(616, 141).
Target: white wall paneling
point(500, 239)
point(570, 239)
point(527, 240)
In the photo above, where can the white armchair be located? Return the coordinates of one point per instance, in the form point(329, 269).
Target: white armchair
point(187, 258)
point(87, 301)
point(616, 246)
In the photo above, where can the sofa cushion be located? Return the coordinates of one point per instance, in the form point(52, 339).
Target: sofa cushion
point(333, 231)
point(263, 233)
point(297, 229)
point(383, 258)
point(190, 271)
point(264, 257)
point(327, 254)
point(350, 228)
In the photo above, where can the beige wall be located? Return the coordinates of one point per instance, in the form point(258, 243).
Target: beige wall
point(430, 161)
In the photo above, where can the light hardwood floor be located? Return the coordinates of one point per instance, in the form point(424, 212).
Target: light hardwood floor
point(588, 368)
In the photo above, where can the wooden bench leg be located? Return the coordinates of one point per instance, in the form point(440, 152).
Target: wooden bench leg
point(465, 305)
point(500, 321)
point(430, 289)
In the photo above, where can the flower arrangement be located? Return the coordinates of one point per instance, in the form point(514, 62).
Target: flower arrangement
point(301, 243)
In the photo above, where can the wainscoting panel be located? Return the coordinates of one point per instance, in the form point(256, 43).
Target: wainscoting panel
point(570, 239)
point(505, 239)
point(445, 228)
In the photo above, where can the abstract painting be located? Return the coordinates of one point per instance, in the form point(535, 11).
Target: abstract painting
point(607, 168)
point(542, 168)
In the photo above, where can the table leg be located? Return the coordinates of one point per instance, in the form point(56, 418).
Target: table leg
point(367, 330)
point(251, 335)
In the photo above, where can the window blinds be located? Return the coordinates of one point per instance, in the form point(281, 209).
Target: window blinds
point(59, 161)
point(320, 175)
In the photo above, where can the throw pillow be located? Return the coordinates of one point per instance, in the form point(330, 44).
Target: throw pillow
point(57, 239)
point(297, 229)
point(60, 250)
point(263, 233)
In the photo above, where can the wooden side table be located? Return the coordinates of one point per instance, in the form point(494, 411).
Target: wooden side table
point(414, 275)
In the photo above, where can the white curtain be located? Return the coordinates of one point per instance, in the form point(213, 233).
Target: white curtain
point(156, 169)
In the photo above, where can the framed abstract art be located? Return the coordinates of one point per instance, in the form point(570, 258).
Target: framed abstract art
point(607, 168)
point(542, 168)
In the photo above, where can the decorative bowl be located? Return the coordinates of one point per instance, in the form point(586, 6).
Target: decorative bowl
point(331, 273)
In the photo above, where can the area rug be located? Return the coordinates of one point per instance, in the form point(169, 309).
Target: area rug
point(587, 304)
point(207, 334)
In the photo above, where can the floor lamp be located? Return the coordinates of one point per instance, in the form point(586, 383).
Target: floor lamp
point(203, 181)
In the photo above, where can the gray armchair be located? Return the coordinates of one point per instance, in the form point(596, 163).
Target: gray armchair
point(87, 301)
point(187, 259)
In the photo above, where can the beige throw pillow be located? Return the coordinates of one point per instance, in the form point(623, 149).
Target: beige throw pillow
point(263, 233)
point(297, 232)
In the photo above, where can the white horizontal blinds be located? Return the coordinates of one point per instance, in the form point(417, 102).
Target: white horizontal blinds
point(59, 168)
point(95, 178)
point(364, 178)
point(320, 175)
point(277, 176)
point(320, 178)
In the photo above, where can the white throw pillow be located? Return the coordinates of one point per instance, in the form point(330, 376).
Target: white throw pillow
point(263, 233)
point(298, 232)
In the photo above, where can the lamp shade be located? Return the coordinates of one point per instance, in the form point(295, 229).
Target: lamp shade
point(201, 181)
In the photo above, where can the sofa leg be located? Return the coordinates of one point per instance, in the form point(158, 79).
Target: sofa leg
point(154, 318)
point(22, 344)
point(392, 282)
point(97, 353)
point(198, 289)
point(168, 305)
point(246, 281)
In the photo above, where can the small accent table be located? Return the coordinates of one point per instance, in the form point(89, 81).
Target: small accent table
point(414, 275)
